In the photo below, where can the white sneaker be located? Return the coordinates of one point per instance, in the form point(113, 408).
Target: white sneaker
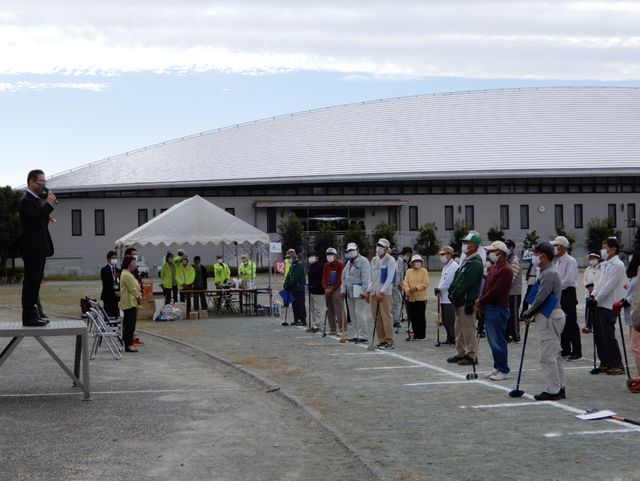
point(499, 376)
point(492, 373)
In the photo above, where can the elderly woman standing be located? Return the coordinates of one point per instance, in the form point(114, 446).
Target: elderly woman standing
point(130, 300)
point(415, 284)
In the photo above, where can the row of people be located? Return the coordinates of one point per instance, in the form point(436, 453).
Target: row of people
point(468, 292)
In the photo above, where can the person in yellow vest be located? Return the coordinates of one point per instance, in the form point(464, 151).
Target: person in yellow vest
point(168, 278)
point(221, 272)
point(185, 276)
point(247, 272)
point(287, 266)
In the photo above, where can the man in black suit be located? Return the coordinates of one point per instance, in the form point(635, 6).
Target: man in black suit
point(35, 245)
point(110, 294)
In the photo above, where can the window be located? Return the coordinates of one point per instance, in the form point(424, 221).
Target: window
point(230, 210)
point(504, 217)
point(631, 215)
point(99, 221)
point(413, 217)
point(143, 216)
point(559, 215)
point(448, 217)
point(577, 216)
point(469, 216)
point(611, 215)
point(76, 222)
point(524, 216)
point(271, 219)
point(393, 216)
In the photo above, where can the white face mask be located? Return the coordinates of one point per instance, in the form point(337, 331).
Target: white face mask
point(488, 264)
point(352, 254)
point(219, 261)
point(380, 250)
point(535, 260)
point(113, 262)
point(493, 256)
point(555, 251)
point(604, 254)
point(407, 258)
point(245, 262)
point(593, 262)
point(331, 258)
point(416, 265)
point(313, 259)
point(465, 248)
point(444, 259)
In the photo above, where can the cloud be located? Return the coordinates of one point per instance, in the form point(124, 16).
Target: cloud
point(21, 86)
point(415, 38)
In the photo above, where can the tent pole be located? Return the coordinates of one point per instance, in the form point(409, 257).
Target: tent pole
point(270, 290)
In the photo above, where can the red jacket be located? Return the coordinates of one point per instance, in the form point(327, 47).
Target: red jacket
point(497, 286)
point(327, 274)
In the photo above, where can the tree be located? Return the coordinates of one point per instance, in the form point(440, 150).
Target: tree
point(531, 240)
point(10, 229)
point(570, 235)
point(325, 238)
point(459, 231)
point(495, 234)
point(356, 233)
point(386, 231)
point(427, 242)
point(291, 230)
point(598, 230)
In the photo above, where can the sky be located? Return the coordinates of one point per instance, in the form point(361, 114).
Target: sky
point(82, 81)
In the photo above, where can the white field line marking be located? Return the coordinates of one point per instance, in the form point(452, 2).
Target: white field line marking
point(440, 382)
point(587, 433)
point(382, 368)
point(355, 353)
point(507, 405)
point(484, 383)
point(147, 391)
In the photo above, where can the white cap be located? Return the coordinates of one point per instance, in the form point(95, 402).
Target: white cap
point(498, 246)
point(383, 242)
point(331, 250)
point(352, 246)
point(560, 240)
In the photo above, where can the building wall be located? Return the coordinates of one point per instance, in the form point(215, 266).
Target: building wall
point(86, 253)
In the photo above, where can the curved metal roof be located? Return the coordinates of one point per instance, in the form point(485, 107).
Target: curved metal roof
point(489, 133)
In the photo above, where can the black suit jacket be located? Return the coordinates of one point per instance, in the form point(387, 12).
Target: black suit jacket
point(34, 217)
point(108, 292)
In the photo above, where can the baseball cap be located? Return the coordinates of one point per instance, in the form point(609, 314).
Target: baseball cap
point(471, 237)
point(352, 246)
point(383, 242)
point(331, 250)
point(560, 240)
point(497, 246)
point(544, 248)
point(446, 250)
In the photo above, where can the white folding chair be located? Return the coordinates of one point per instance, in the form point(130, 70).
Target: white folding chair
point(102, 331)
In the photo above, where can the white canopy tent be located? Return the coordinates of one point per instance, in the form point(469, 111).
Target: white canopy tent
point(195, 221)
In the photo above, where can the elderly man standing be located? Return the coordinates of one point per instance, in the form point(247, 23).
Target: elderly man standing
point(515, 296)
point(331, 281)
point(295, 282)
point(550, 323)
point(608, 289)
point(494, 305)
point(356, 277)
point(463, 292)
point(383, 266)
point(447, 309)
point(567, 268)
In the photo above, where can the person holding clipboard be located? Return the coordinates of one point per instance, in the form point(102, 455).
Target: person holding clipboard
point(544, 308)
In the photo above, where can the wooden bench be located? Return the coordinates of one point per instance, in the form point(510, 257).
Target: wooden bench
point(18, 332)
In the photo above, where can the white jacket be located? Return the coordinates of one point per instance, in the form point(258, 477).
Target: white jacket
point(446, 278)
point(610, 285)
